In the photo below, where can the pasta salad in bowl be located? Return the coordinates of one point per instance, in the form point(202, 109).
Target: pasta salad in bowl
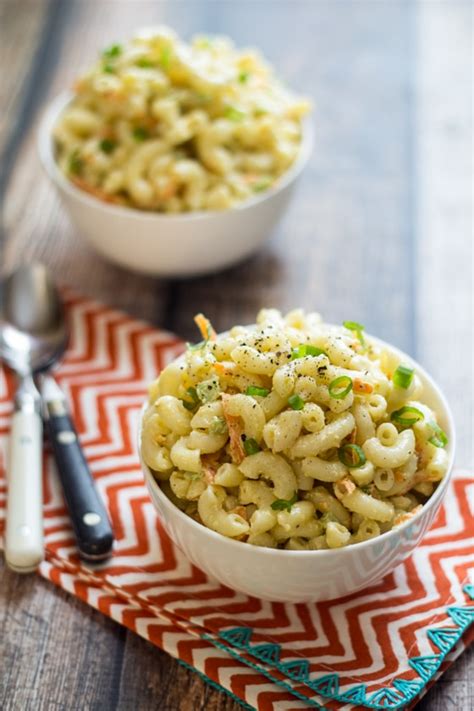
point(292, 442)
point(194, 146)
point(158, 124)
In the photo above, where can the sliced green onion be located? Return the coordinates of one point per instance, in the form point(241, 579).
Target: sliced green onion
point(254, 391)
point(285, 504)
point(234, 114)
point(193, 476)
point(107, 145)
point(305, 349)
point(358, 329)
point(340, 387)
point(76, 164)
point(352, 456)
point(296, 402)
point(406, 416)
point(243, 77)
point(165, 57)
point(115, 50)
point(194, 402)
point(108, 68)
point(195, 346)
point(262, 185)
point(144, 63)
point(140, 133)
point(439, 438)
point(208, 390)
point(218, 426)
point(403, 376)
point(251, 446)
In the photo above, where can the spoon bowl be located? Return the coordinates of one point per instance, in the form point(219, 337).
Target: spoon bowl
point(33, 331)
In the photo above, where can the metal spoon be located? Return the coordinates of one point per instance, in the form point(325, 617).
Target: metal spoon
point(30, 337)
point(33, 336)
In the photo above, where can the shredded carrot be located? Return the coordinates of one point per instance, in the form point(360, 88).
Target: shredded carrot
point(401, 518)
point(240, 511)
point(235, 428)
point(220, 368)
point(96, 192)
point(169, 191)
point(204, 325)
point(210, 465)
point(353, 436)
point(361, 387)
point(225, 367)
point(345, 486)
point(242, 537)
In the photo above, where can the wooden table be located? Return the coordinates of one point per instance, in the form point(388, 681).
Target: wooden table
point(379, 232)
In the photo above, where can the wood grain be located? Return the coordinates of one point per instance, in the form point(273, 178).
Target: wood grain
point(379, 232)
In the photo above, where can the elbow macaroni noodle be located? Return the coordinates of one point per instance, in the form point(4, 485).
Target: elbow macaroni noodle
point(161, 125)
point(293, 434)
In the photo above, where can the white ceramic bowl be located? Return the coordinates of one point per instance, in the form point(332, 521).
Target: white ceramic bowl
point(306, 576)
point(169, 245)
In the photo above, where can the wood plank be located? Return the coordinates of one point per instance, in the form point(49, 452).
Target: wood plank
point(347, 234)
point(51, 647)
point(21, 34)
point(444, 306)
point(444, 293)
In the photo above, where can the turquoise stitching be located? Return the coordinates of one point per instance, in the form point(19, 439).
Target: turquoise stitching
point(233, 653)
point(396, 696)
point(216, 685)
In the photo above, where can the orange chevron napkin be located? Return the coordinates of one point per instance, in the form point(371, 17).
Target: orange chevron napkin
point(380, 648)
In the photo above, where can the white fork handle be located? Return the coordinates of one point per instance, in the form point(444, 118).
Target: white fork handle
point(24, 529)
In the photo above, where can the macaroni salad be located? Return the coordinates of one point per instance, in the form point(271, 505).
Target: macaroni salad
point(161, 125)
point(293, 434)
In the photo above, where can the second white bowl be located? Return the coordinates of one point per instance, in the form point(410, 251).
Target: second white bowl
point(164, 245)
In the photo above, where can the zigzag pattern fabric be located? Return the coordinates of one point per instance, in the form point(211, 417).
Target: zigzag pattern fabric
point(380, 648)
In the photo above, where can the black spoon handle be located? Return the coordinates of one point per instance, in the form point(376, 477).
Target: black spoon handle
point(88, 515)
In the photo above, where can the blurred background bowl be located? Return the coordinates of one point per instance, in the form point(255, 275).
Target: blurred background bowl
point(170, 245)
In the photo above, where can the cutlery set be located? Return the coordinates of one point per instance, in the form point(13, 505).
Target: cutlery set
point(33, 338)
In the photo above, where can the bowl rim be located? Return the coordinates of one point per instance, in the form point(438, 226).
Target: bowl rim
point(393, 533)
point(50, 166)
